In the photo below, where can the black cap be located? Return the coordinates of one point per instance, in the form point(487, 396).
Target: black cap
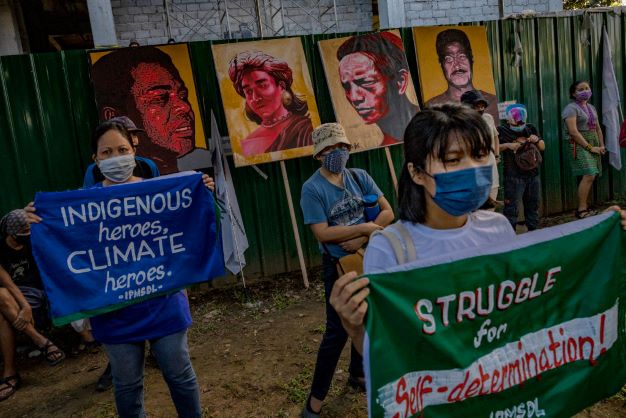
point(472, 97)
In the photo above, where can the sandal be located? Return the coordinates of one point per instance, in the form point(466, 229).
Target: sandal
point(585, 213)
point(12, 387)
point(356, 383)
point(51, 355)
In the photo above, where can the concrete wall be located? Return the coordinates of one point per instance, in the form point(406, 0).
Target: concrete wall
point(10, 43)
point(191, 20)
point(441, 12)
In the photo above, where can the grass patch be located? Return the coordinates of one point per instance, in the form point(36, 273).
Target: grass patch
point(297, 388)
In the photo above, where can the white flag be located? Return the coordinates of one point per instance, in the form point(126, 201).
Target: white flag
point(234, 240)
point(610, 105)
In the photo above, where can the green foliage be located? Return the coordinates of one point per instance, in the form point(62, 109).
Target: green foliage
point(586, 4)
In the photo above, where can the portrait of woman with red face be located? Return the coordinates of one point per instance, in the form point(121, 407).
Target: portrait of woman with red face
point(283, 117)
point(268, 99)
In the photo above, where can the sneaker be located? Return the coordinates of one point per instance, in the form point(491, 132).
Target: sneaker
point(105, 382)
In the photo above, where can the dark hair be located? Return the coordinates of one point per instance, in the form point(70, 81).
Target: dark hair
point(105, 127)
point(278, 69)
point(430, 133)
point(572, 88)
point(385, 49)
point(449, 36)
point(112, 75)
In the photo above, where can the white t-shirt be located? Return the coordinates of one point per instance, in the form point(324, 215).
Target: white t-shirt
point(483, 228)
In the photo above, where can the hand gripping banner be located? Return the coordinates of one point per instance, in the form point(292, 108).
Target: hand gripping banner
point(532, 328)
point(103, 248)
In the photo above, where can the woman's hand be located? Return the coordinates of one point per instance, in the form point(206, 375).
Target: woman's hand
point(602, 150)
point(24, 317)
point(353, 244)
point(533, 138)
point(30, 213)
point(208, 182)
point(597, 150)
point(348, 299)
point(622, 214)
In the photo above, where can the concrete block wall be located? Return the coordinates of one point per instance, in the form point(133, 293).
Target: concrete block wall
point(444, 12)
point(193, 20)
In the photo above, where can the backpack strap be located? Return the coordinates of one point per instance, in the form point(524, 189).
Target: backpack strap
point(355, 177)
point(403, 255)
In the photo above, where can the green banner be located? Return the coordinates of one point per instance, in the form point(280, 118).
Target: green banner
point(532, 328)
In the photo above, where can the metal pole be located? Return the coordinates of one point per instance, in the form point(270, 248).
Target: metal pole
point(166, 5)
point(258, 18)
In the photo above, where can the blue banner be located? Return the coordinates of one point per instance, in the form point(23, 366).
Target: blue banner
point(104, 248)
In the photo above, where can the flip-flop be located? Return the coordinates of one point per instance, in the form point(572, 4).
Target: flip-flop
point(585, 213)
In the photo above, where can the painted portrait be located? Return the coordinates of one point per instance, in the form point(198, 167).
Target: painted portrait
point(371, 87)
point(268, 99)
point(154, 87)
point(453, 60)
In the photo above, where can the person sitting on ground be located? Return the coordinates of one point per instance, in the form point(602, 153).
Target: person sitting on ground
point(21, 293)
point(521, 166)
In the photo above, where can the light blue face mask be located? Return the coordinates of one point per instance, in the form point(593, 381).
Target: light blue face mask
point(517, 128)
point(118, 169)
point(336, 160)
point(463, 191)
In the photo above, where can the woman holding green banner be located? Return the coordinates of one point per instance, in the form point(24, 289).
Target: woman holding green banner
point(162, 320)
point(446, 177)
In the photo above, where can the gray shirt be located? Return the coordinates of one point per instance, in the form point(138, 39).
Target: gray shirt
point(582, 120)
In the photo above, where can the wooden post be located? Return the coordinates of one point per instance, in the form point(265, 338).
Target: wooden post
point(392, 169)
point(294, 225)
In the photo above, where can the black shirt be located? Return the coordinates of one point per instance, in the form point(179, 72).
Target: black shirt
point(507, 136)
point(20, 265)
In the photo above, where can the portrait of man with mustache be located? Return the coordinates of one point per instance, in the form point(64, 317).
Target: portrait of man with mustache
point(144, 84)
point(457, 63)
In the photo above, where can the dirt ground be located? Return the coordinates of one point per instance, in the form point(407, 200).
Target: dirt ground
point(251, 362)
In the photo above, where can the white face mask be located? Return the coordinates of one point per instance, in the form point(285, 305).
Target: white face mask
point(118, 169)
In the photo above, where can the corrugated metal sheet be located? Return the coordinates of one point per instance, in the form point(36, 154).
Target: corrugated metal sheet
point(47, 113)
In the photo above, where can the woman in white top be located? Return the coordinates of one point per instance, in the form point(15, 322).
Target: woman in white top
point(445, 178)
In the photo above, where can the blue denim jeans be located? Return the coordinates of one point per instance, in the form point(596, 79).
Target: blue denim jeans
point(333, 341)
point(172, 355)
point(526, 189)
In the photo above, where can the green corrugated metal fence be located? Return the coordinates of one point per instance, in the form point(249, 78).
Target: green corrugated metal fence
point(47, 113)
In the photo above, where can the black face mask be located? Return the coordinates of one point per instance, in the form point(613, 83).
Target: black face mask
point(22, 239)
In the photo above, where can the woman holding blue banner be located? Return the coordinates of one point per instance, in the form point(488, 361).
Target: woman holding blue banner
point(445, 179)
point(162, 320)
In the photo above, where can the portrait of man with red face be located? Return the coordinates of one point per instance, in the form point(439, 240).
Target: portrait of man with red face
point(268, 99)
point(370, 85)
point(144, 84)
point(460, 66)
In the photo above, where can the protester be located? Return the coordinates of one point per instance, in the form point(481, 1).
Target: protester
point(445, 177)
point(163, 321)
point(476, 100)
point(332, 204)
point(520, 144)
point(144, 168)
point(21, 298)
point(586, 142)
